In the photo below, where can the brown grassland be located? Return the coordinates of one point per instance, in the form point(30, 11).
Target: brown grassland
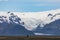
point(29, 37)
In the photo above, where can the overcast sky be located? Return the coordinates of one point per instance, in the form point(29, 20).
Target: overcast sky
point(29, 5)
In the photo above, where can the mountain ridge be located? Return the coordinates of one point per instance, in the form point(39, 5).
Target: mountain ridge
point(30, 20)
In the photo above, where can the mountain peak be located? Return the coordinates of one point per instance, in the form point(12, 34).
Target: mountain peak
point(30, 20)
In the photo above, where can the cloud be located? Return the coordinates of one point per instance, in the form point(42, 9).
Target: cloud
point(37, 0)
point(45, 0)
point(3, 0)
point(41, 2)
point(47, 4)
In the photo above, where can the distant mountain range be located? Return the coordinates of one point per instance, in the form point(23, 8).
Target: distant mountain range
point(30, 23)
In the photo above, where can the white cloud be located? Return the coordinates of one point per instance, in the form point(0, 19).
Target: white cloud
point(46, 0)
point(3, 0)
point(42, 2)
point(47, 4)
point(38, 0)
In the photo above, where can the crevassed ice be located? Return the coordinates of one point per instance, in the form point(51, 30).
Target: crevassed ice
point(33, 19)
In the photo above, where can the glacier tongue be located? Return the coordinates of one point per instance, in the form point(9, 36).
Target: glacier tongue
point(30, 20)
point(30, 23)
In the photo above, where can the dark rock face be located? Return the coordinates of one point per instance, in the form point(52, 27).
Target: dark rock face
point(50, 14)
point(14, 18)
point(52, 28)
point(13, 29)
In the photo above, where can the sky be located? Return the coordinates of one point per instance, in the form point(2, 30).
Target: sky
point(29, 5)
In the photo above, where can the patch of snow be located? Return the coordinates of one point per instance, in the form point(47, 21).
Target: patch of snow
point(42, 34)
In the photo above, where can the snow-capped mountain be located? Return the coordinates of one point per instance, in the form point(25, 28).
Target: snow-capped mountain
point(30, 20)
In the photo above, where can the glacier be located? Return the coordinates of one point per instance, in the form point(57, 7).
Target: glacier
point(30, 20)
point(43, 34)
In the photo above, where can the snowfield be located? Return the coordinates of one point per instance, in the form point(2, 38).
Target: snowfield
point(30, 20)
